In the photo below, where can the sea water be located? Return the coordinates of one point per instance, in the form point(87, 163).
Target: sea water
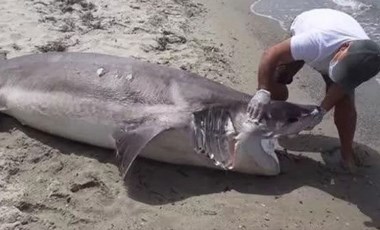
point(366, 12)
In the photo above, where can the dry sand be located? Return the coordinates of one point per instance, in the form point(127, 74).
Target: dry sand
point(52, 183)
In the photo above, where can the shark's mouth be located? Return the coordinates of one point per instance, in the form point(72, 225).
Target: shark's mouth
point(216, 138)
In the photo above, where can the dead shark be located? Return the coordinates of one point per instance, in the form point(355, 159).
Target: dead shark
point(144, 109)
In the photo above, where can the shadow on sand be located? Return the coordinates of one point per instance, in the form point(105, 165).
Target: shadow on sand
point(158, 183)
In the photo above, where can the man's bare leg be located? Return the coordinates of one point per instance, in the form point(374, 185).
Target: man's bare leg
point(345, 117)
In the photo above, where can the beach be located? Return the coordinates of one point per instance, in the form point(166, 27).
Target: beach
point(48, 182)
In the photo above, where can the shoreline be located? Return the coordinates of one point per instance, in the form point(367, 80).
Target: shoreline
point(281, 24)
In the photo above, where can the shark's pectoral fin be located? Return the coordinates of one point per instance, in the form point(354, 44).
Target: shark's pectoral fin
point(214, 136)
point(132, 138)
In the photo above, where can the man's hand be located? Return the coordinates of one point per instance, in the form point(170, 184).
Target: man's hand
point(256, 106)
point(318, 115)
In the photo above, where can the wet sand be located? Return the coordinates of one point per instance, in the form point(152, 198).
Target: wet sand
point(52, 183)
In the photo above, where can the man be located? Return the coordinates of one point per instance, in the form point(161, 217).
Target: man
point(334, 44)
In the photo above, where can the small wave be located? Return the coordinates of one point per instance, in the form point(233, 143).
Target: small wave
point(353, 4)
point(252, 8)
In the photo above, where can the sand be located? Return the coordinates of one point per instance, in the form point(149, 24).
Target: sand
point(48, 182)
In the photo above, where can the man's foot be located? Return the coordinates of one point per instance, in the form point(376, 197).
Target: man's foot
point(349, 166)
point(336, 163)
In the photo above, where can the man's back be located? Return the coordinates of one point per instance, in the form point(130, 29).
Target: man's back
point(328, 20)
point(318, 33)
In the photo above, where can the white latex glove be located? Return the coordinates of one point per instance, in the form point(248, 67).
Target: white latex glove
point(318, 115)
point(257, 105)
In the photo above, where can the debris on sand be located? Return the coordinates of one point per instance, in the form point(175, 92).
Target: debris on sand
point(209, 213)
point(56, 46)
point(63, 13)
point(88, 184)
point(53, 46)
point(167, 39)
point(16, 47)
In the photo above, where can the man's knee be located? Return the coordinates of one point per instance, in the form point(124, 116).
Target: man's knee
point(345, 109)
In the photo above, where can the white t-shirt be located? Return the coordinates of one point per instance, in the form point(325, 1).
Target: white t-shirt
point(318, 33)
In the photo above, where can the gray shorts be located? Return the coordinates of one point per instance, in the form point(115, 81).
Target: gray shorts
point(328, 82)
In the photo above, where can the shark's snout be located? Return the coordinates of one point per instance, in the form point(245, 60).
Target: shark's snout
point(284, 118)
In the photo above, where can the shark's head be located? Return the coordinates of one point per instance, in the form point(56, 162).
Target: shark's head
point(284, 118)
point(254, 146)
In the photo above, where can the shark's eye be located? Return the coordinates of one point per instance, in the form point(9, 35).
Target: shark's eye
point(292, 119)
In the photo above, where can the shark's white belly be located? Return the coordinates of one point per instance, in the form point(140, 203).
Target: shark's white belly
point(82, 130)
point(60, 114)
point(57, 114)
point(173, 146)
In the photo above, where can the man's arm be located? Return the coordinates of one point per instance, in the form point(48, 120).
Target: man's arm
point(334, 95)
point(271, 58)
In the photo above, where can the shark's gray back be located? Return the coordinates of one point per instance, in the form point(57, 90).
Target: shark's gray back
point(114, 78)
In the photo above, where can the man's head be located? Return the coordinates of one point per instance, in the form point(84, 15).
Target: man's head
point(354, 63)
